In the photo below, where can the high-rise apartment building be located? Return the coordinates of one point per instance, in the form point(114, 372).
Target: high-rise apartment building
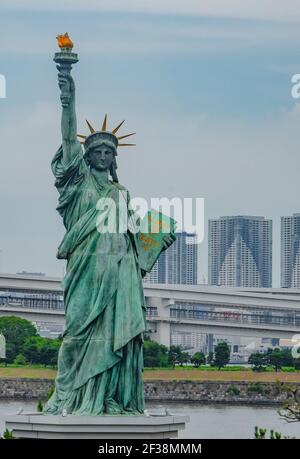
point(178, 264)
point(290, 251)
point(240, 251)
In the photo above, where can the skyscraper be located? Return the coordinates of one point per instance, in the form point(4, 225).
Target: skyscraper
point(240, 251)
point(178, 264)
point(290, 251)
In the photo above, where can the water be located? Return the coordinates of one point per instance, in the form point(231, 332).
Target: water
point(225, 421)
point(206, 421)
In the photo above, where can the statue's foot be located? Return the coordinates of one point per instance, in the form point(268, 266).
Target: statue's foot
point(130, 410)
point(112, 407)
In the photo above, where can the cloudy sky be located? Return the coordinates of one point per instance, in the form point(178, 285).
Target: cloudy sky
point(207, 88)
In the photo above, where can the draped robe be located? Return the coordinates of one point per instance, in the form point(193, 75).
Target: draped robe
point(100, 360)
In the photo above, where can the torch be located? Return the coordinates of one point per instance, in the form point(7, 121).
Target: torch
point(65, 58)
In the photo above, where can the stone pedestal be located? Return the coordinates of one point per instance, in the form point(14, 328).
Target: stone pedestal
point(38, 425)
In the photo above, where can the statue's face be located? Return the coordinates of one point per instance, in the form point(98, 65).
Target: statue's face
point(101, 157)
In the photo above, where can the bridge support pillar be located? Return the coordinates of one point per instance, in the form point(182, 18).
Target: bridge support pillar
point(163, 334)
point(163, 327)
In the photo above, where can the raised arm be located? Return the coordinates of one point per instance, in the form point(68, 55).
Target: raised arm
point(70, 143)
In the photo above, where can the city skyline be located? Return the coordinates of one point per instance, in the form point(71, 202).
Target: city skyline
point(163, 272)
point(208, 92)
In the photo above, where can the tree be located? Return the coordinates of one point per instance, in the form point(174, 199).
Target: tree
point(151, 351)
point(20, 360)
point(287, 358)
point(49, 351)
point(297, 364)
point(183, 358)
point(258, 361)
point(290, 411)
point(31, 349)
point(155, 354)
point(16, 331)
point(275, 358)
point(37, 349)
point(291, 407)
point(222, 355)
point(175, 355)
point(198, 359)
point(210, 358)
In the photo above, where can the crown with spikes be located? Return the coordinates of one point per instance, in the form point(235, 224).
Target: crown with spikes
point(105, 136)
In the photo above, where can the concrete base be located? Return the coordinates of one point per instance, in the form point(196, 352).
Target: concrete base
point(38, 425)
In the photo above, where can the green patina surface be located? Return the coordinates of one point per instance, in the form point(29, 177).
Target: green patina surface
point(100, 360)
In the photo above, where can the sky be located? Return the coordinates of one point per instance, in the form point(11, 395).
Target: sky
point(207, 88)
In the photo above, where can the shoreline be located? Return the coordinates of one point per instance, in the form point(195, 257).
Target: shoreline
point(162, 391)
point(195, 403)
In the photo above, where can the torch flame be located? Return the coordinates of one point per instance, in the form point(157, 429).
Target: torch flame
point(64, 41)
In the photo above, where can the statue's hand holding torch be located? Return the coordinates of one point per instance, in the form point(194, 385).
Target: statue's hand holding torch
point(65, 58)
point(67, 87)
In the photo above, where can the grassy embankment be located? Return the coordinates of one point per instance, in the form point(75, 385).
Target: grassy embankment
point(179, 373)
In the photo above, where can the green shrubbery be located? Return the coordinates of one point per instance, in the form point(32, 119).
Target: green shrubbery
point(274, 359)
point(7, 435)
point(256, 388)
point(261, 434)
point(37, 349)
point(198, 359)
point(20, 360)
point(159, 356)
point(24, 345)
point(233, 390)
point(15, 331)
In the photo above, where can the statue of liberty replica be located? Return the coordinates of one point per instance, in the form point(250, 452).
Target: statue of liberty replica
point(100, 360)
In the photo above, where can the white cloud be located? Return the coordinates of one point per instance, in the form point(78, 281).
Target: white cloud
point(288, 10)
